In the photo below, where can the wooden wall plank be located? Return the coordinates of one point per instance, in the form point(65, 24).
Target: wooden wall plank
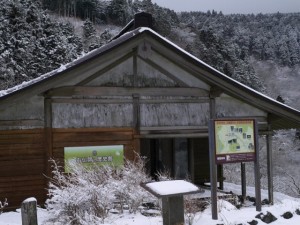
point(24, 159)
point(16, 132)
point(22, 166)
point(92, 137)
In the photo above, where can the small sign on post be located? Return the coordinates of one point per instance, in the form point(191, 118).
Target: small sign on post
point(29, 212)
point(171, 192)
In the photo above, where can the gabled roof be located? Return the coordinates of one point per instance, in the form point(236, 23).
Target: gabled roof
point(281, 116)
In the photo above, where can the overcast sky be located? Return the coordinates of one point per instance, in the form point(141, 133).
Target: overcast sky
point(232, 6)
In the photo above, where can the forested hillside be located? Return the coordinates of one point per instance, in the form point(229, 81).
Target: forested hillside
point(33, 43)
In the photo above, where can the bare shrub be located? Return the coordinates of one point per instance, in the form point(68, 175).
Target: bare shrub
point(191, 208)
point(86, 195)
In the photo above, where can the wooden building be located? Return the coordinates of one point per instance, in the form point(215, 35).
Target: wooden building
point(140, 91)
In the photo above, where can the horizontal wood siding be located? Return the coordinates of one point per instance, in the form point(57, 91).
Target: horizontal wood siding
point(92, 115)
point(92, 137)
point(22, 166)
point(174, 114)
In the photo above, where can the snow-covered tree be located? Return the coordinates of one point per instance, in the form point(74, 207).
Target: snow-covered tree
point(30, 43)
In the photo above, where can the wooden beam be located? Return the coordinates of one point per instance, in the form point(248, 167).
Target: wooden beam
point(179, 135)
point(72, 91)
point(105, 69)
point(164, 71)
point(22, 123)
point(91, 101)
point(125, 101)
point(175, 128)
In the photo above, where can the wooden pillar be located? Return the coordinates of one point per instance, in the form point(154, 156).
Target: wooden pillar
point(136, 105)
point(136, 122)
point(257, 172)
point(135, 68)
point(243, 181)
point(270, 165)
point(212, 161)
point(48, 134)
point(173, 210)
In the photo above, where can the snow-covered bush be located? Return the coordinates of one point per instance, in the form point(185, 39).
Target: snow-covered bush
point(3, 205)
point(128, 189)
point(86, 195)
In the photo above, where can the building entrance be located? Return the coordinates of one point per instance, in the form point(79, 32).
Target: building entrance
point(167, 156)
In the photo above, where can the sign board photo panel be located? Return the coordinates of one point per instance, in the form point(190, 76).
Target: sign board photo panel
point(234, 140)
point(94, 155)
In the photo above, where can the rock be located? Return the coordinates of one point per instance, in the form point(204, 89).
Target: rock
point(149, 205)
point(268, 218)
point(287, 215)
point(298, 212)
point(265, 202)
point(253, 222)
point(251, 199)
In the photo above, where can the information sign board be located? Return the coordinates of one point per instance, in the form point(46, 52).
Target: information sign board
point(90, 155)
point(234, 140)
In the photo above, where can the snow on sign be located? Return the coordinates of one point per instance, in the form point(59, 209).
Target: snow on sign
point(234, 140)
point(90, 155)
point(170, 188)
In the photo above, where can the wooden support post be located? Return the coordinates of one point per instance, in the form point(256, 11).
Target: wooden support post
point(29, 212)
point(172, 199)
point(221, 178)
point(135, 68)
point(270, 166)
point(173, 210)
point(257, 172)
point(212, 160)
point(243, 181)
point(213, 173)
point(48, 134)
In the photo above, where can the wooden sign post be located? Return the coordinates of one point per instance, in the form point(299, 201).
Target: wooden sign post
point(29, 212)
point(232, 141)
point(171, 192)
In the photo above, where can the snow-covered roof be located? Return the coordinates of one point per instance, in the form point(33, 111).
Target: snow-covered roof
point(213, 77)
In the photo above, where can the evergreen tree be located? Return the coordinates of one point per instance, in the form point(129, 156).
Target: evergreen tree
point(30, 43)
point(89, 37)
point(118, 12)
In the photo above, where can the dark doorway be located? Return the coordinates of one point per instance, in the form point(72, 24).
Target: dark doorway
point(167, 156)
point(181, 158)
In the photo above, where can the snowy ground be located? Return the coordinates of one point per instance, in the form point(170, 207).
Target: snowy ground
point(228, 214)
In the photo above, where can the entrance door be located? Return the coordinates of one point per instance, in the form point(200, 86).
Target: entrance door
point(167, 156)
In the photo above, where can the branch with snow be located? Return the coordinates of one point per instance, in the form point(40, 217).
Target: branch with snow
point(3, 205)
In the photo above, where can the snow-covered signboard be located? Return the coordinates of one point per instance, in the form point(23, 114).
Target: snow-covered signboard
point(90, 155)
point(234, 140)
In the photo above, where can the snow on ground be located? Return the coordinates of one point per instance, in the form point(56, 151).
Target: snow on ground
point(228, 214)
